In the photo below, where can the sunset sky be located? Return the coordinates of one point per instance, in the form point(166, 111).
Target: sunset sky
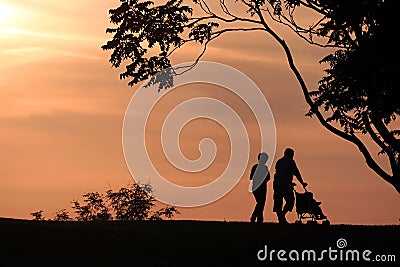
point(62, 108)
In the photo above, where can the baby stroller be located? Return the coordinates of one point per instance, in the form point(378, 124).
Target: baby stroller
point(308, 208)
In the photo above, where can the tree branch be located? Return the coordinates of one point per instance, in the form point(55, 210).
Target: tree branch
point(203, 5)
point(310, 5)
point(382, 145)
point(214, 35)
point(392, 141)
point(299, 31)
point(349, 137)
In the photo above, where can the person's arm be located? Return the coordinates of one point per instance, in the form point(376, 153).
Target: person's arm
point(268, 177)
point(296, 173)
point(253, 170)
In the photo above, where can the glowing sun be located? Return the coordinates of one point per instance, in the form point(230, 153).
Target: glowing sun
point(6, 13)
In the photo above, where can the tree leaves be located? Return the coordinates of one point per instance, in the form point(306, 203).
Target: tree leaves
point(38, 215)
point(131, 203)
point(62, 216)
point(94, 209)
point(360, 78)
point(144, 35)
point(202, 32)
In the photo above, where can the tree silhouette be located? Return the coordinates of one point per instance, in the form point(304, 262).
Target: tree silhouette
point(135, 203)
point(94, 209)
point(62, 216)
point(356, 98)
point(38, 215)
point(131, 203)
point(167, 212)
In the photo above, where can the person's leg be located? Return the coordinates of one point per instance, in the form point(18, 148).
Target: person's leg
point(261, 205)
point(278, 202)
point(289, 199)
point(258, 215)
point(254, 214)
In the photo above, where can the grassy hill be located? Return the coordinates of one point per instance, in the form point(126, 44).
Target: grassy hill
point(186, 243)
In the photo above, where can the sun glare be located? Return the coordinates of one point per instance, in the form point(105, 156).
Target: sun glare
point(6, 13)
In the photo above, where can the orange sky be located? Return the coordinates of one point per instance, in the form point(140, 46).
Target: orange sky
point(62, 108)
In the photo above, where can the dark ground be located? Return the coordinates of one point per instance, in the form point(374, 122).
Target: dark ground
point(183, 243)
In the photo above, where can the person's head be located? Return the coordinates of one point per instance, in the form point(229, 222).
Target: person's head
point(262, 158)
point(289, 153)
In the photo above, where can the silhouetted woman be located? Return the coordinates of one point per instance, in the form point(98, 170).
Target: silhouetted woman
point(260, 176)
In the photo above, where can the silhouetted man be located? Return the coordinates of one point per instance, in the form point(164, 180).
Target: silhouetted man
point(260, 176)
point(285, 169)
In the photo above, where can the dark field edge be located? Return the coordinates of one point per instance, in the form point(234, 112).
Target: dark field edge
point(183, 243)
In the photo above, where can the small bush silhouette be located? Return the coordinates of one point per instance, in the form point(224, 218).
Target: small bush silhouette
point(62, 216)
point(131, 203)
point(38, 215)
point(94, 209)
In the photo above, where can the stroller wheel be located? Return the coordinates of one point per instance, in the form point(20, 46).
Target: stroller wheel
point(326, 222)
point(298, 222)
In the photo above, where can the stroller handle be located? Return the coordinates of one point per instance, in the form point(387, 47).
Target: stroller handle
point(294, 184)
